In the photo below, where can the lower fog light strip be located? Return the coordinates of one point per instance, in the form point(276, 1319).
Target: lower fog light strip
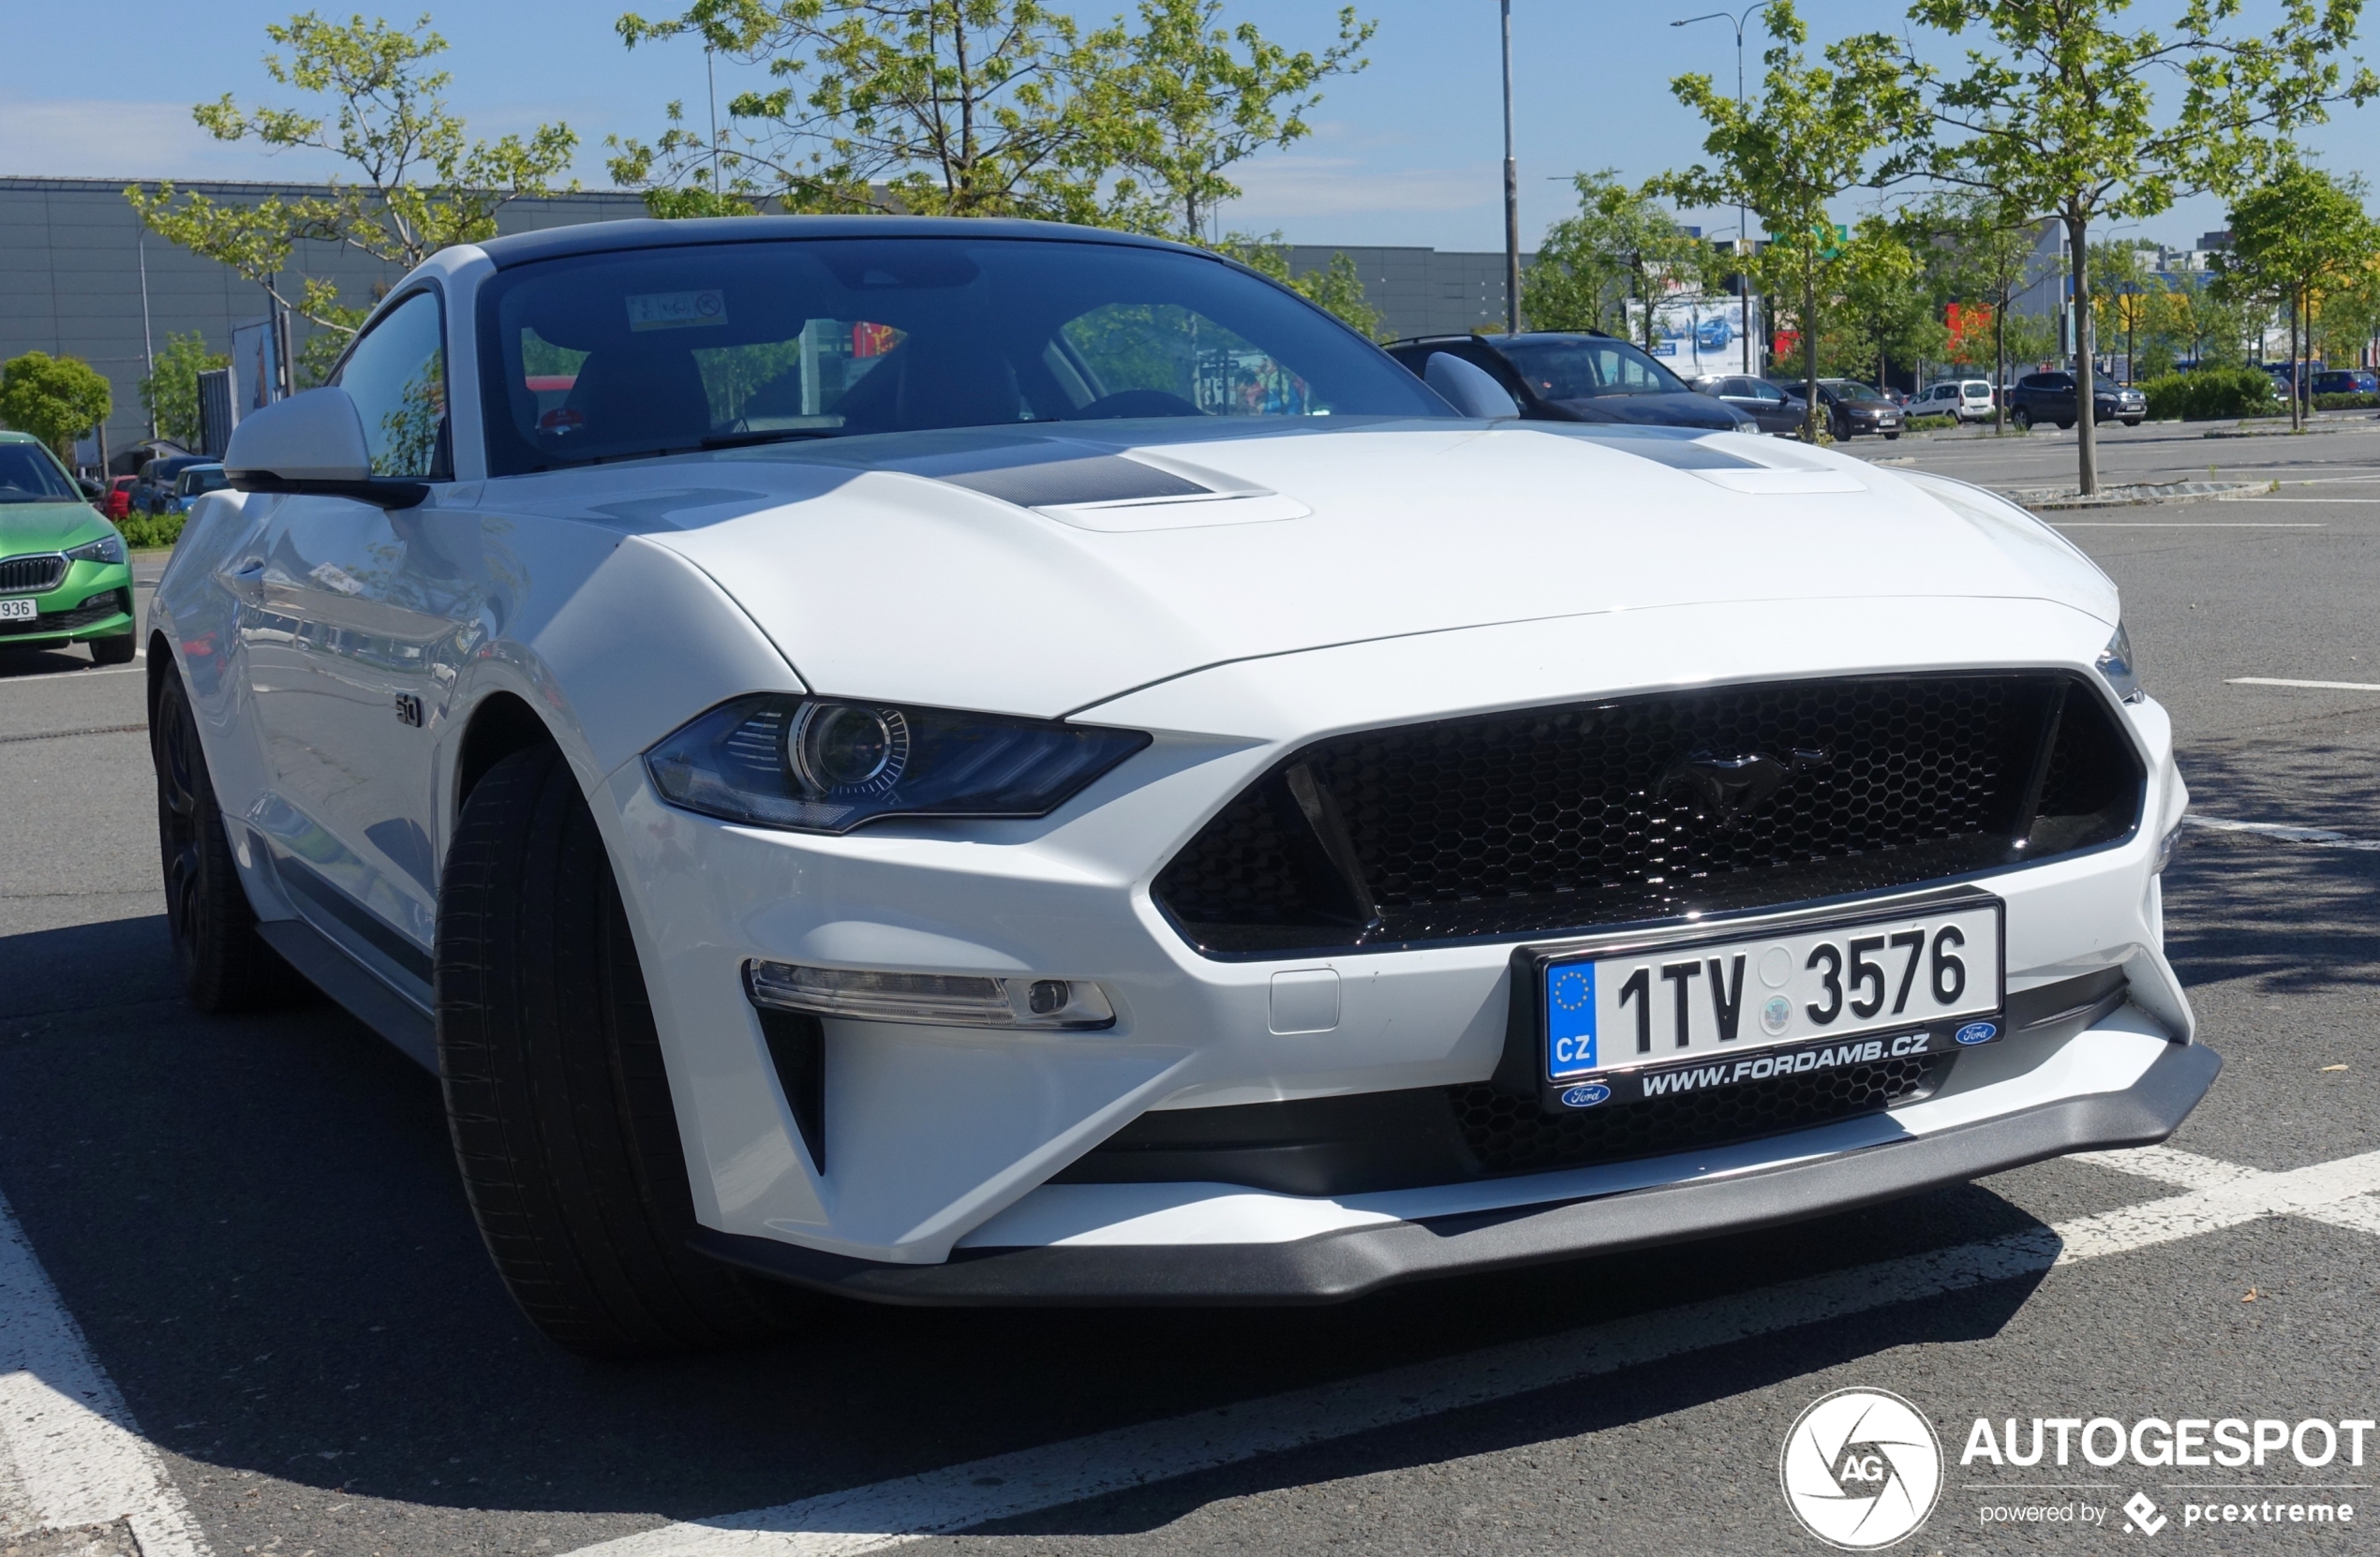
point(941, 999)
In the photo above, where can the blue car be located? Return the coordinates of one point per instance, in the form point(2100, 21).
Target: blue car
point(193, 483)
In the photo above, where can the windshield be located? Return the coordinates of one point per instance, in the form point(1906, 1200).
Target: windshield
point(1846, 390)
point(29, 475)
point(616, 356)
point(1583, 369)
point(201, 479)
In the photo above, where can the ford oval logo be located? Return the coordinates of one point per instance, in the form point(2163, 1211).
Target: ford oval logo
point(1586, 1096)
point(1976, 1032)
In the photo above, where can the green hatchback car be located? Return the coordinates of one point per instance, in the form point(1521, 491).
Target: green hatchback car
point(63, 574)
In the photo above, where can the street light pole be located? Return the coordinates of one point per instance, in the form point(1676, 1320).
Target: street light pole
point(1743, 229)
point(1512, 193)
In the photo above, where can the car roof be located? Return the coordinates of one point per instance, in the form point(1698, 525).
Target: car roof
point(1507, 339)
point(523, 248)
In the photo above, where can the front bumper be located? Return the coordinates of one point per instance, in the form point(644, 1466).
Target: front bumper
point(93, 600)
point(1348, 1262)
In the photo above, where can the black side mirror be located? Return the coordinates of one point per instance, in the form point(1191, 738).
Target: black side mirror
point(92, 491)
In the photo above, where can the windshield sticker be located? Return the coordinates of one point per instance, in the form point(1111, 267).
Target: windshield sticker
point(676, 310)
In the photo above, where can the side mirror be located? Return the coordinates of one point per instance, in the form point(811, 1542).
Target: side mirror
point(1469, 388)
point(313, 444)
point(92, 491)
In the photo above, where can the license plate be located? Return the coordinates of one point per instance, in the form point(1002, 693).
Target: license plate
point(1630, 1020)
point(17, 611)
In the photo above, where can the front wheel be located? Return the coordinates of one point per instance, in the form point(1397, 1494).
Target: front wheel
point(556, 1095)
point(1891, 437)
point(2065, 426)
point(2021, 418)
point(118, 650)
point(225, 965)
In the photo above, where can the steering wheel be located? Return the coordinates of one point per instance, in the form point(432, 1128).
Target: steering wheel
point(1136, 402)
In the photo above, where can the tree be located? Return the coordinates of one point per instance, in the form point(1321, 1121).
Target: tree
point(2292, 236)
point(1883, 298)
point(2061, 122)
point(1336, 289)
point(56, 400)
point(1979, 258)
point(171, 392)
point(1612, 249)
point(958, 108)
point(2125, 285)
point(1809, 137)
point(421, 185)
point(1182, 99)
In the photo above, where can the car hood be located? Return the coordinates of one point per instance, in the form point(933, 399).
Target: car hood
point(47, 527)
point(1039, 573)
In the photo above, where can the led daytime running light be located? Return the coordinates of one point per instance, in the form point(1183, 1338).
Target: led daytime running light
point(934, 1000)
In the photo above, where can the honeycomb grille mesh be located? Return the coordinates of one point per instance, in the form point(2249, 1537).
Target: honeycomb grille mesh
point(1630, 809)
point(1512, 1134)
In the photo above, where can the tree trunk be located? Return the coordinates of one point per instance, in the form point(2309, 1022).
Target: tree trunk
point(2296, 357)
point(2000, 365)
point(2086, 437)
point(1809, 352)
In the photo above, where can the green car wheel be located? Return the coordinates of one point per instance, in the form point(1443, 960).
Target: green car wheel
point(65, 577)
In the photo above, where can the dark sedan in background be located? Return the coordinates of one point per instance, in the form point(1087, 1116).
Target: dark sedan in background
point(1581, 377)
point(2039, 397)
point(1851, 407)
point(1775, 410)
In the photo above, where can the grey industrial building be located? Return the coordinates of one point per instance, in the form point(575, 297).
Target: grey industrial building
point(80, 277)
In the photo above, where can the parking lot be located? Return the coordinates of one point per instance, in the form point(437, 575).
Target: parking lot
point(286, 1339)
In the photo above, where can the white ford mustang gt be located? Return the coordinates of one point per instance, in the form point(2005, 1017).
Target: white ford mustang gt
point(983, 762)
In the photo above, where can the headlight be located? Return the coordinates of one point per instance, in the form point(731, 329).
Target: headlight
point(831, 765)
point(108, 548)
point(2116, 665)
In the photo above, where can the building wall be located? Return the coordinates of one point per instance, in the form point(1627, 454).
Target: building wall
point(72, 252)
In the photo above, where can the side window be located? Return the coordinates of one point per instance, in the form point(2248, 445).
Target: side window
point(397, 375)
point(1769, 393)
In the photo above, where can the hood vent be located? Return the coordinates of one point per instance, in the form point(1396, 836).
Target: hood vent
point(1094, 479)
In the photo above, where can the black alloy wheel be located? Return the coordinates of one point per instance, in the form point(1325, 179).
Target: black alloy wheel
point(225, 965)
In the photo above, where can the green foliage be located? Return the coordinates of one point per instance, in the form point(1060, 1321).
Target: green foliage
point(56, 400)
point(1813, 132)
point(1930, 424)
point(1615, 245)
point(956, 108)
point(171, 392)
point(1337, 289)
point(420, 185)
point(1172, 105)
point(981, 107)
point(2294, 237)
point(2212, 394)
point(2059, 120)
point(2345, 402)
point(1882, 301)
point(148, 530)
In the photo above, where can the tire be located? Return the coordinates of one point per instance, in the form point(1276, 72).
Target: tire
point(118, 650)
point(1891, 437)
point(2021, 418)
point(225, 965)
point(2065, 426)
point(556, 1095)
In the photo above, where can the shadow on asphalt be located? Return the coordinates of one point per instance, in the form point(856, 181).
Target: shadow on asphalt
point(258, 1222)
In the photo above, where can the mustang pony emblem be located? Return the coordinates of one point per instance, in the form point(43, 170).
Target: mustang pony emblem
point(1731, 788)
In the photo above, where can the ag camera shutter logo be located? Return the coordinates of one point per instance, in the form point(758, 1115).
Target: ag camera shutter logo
point(1860, 1469)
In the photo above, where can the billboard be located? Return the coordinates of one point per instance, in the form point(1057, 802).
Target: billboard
point(1699, 334)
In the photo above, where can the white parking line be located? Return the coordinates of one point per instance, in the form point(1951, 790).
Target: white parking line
point(2325, 686)
point(52, 675)
point(893, 1512)
point(2181, 525)
point(69, 1455)
point(2321, 837)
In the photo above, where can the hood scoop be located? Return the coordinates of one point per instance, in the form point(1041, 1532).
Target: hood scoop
point(1119, 492)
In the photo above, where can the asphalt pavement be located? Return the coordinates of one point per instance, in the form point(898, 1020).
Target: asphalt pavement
point(294, 1344)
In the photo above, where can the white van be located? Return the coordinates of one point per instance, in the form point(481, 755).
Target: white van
point(1967, 399)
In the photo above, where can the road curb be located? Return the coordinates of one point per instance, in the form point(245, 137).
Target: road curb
point(2059, 499)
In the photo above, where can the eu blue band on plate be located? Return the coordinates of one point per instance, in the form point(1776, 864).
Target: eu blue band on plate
point(1570, 1019)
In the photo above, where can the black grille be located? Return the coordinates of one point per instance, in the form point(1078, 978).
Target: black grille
point(31, 575)
point(1636, 808)
point(99, 608)
point(1514, 1135)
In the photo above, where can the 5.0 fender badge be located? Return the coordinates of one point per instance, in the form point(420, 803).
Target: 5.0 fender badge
point(1586, 1096)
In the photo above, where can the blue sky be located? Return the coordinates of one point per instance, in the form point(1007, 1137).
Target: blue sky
point(1406, 153)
